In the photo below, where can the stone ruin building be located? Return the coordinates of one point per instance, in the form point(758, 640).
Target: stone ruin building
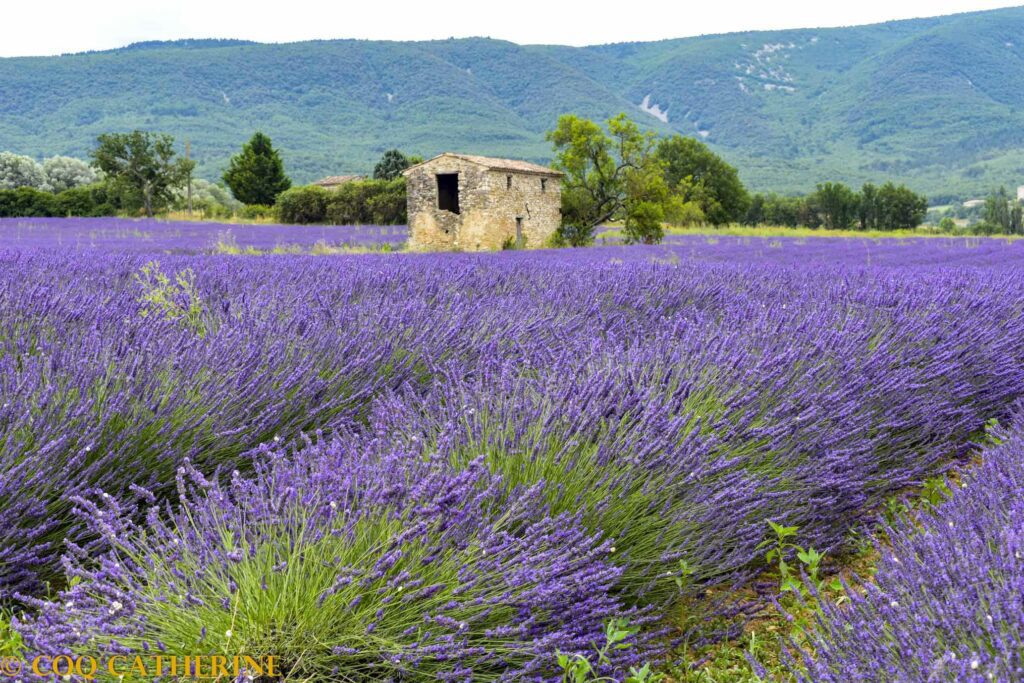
point(473, 203)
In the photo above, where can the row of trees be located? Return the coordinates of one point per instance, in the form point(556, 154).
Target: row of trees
point(128, 171)
point(834, 206)
point(87, 200)
point(617, 173)
point(1002, 213)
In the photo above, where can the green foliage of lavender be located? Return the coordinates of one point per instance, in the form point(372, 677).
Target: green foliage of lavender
point(346, 563)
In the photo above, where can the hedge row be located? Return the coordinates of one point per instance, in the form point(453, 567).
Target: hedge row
point(372, 202)
point(89, 200)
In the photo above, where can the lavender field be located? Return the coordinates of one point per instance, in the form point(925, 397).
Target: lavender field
point(455, 467)
point(187, 237)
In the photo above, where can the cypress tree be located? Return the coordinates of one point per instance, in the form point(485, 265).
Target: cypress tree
point(256, 175)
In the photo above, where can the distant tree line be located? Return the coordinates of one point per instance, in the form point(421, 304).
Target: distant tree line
point(613, 173)
point(834, 206)
point(129, 173)
point(141, 172)
point(59, 186)
point(1001, 214)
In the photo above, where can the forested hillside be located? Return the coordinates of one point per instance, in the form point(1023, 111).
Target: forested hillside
point(935, 103)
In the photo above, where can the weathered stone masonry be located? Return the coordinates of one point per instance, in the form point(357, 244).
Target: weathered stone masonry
point(472, 203)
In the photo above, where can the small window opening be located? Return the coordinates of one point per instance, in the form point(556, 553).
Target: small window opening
point(508, 182)
point(543, 184)
point(448, 192)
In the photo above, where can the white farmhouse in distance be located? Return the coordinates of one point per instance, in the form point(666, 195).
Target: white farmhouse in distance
point(1020, 193)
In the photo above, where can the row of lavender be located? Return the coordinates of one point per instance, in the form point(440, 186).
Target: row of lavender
point(190, 237)
point(187, 237)
point(503, 452)
point(947, 603)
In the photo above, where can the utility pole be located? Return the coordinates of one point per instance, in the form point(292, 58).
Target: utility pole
point(188, 157)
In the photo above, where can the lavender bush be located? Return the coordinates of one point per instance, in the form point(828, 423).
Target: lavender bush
point(344, 564)
point(947, 603)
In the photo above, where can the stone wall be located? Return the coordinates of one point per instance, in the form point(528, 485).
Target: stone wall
point(488, 207)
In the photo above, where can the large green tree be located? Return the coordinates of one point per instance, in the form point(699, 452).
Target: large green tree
point(700, 175)
point(142, 164)
point(608, 175)
point(836, 205)
point(1003, 213)
point(900, 208)
point(256, 175)
point(867, 208)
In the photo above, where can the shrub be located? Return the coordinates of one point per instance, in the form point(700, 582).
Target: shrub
point(28, 202)
point(682, 213)
point(374, 202)
point(86, 201)
point(255, 212)
point(209, 199)
point(986, 228)
point(303, 205)
point(89, 200)
point(344, 560)
point(17, 171)
point(947, 602)
point(572, 235)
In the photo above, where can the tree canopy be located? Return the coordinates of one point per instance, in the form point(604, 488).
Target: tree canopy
point(256, 175)
point(836, 204)
point(837, 207)
point(608, 175)
point(143, 165)
point(19, 171)
point(64, 173)
point(1003, 213)
point(697, 174)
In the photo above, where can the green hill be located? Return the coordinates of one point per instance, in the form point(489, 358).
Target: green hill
point(934, 102)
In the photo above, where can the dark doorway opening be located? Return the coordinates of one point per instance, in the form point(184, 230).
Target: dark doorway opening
point(448, 192)
point(519, 232)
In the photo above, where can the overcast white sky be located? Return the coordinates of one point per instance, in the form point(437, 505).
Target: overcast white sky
point(41, 27)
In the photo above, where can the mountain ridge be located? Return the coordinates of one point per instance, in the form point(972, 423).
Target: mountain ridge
point(931, 102)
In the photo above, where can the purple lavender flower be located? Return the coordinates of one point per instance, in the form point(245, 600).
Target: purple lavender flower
point(947, 603)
